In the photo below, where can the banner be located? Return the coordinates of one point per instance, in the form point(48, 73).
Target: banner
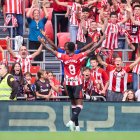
point(53, 116)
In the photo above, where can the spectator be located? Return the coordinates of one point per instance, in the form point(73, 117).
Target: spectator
point(89, 82)
point(129, 96)
point(16, 71)
point(100, 76)
point(22, 57)
point(76, 9)
point(8, 86)
point(35, 25)
point(137, 94)
point(29, 87)
point(43, 88)
point(13, 15)
point(117, 77)
point(55, 84)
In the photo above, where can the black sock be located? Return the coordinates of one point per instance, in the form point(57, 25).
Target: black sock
point(76, 120)
point(75, 115)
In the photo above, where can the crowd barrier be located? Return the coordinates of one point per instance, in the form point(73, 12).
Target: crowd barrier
point(53, 116)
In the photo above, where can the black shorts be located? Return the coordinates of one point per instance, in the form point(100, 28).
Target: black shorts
point(75, 92)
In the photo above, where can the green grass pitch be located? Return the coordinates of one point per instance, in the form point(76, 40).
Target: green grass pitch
point(69, 135)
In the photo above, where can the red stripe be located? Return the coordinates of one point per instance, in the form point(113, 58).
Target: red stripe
point(114, 83)
point(122, 84)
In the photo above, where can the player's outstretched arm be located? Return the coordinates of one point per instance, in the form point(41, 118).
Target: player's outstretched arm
point(49, 40)
point(41, 40)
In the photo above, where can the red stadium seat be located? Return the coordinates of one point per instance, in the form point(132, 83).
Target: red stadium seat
point(49, 10)
point(3, 44)
point(34, 69)
point(33, 79)
point(1, 56)
point(63, 37)
point(49, 29)
point(130, 78)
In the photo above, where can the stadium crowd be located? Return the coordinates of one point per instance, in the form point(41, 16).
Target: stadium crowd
point(108, 26)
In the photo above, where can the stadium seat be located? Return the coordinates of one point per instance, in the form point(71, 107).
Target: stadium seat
point(34, 69)
point(63, 37)
point(33, 79)
point(49, 10)
point(49, 29)
point(3, 43)
point(130, 78)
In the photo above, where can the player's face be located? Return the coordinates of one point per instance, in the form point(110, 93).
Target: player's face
point(17, 68)
point(118, 62)
point(86, 74)
point(66, 49)
point(113, 19)
point(23, 52)
point(94, 64)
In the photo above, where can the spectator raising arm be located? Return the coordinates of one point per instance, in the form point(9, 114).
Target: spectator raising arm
point(132, 65)
point(49, 40)
point(9, 47)
point(101, 61)
point(37, 52)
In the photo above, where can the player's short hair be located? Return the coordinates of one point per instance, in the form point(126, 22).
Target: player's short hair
point(113, 13)
point(71, 46)
point(86, 9)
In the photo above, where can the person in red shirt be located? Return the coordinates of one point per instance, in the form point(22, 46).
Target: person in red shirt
point(1, 54)
point(118, 76)
point(73, 77)
point(100, 76)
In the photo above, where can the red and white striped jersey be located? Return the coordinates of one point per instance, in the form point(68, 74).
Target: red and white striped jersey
point(94, 35)
point(80, 35)
point(13, 6)
point(75, 7)
point(136, 38)
point(88, 85)
point(111, 32)
point(25, 63)
point(100, 76)
point(72, 67)
point(117, 79)
point(136, 69)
